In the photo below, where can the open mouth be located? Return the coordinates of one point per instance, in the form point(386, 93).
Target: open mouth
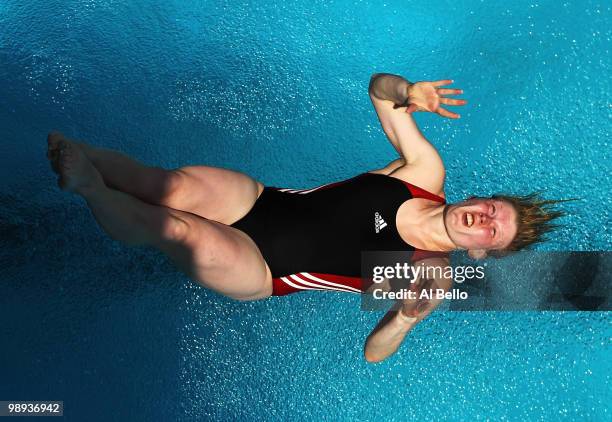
point(468, 219)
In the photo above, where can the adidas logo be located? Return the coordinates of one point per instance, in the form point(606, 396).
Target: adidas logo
point(379, 223)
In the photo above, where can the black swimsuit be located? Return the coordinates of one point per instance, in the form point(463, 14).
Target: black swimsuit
point(312, 239)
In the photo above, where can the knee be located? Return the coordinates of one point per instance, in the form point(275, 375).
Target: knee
point(209, 248)
point(173, 187)
point(175, 230)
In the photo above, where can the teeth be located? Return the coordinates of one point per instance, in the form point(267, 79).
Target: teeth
point(470, 220)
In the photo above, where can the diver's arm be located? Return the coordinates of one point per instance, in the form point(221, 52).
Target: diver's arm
point(386, 93)
point(394, 99)
point(389, 333)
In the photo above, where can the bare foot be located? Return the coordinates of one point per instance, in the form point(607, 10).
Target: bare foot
point(77, 173)
point(53, 140)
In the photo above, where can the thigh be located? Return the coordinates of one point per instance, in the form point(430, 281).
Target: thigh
point(214, 193)
point(219, 257)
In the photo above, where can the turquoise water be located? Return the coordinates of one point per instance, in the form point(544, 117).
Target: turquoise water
point(280, 91)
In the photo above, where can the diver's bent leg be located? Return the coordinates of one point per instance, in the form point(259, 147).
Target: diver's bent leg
point(219, 257)
point(214, 193)
point(211, 192)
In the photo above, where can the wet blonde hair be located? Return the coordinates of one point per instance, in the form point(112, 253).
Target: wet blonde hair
point(534, 216)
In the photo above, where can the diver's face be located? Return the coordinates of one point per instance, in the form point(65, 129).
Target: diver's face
point(481, 224)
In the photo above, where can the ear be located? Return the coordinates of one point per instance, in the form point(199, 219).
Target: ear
point(477, 253)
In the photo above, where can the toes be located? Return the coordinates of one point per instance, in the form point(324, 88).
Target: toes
point(68, 155)
point(65, 148)
point(54, 138)
point(65, 152)
point(64, 162)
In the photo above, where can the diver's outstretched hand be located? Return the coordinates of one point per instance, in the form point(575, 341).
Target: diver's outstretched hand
point(428, 96)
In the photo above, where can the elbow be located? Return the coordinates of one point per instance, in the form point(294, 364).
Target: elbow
point(373, 357)
point(372, 81)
